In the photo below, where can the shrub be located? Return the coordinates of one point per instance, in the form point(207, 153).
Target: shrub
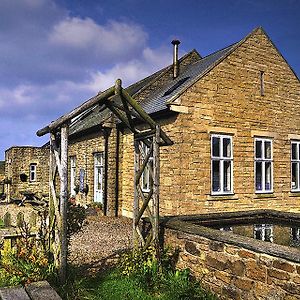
point(24, 263)
point(161, 279)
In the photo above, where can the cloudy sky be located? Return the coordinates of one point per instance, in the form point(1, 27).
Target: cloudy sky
point(54, 54)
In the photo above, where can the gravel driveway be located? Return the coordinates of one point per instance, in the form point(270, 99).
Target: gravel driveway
point(100, 241)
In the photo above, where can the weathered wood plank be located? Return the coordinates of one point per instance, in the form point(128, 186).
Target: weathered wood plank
point(14, 293)
point(156, 177)
point(63, 201)
point(41, 290)
point(136, 194)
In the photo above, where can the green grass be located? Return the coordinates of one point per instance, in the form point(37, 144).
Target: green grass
point(1, 223)
point(114, 286)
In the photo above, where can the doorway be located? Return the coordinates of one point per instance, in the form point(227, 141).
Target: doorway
point(98, 177)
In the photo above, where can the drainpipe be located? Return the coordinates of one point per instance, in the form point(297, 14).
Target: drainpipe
point(175, 43)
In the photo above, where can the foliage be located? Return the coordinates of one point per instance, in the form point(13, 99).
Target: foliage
point(161, 279)
point(25, 262)
point(75, 218)
point(113, 285)
point(1, 223)
point(96, 205)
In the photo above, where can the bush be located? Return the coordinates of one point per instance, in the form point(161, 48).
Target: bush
point(24, 263)
point(161, 279)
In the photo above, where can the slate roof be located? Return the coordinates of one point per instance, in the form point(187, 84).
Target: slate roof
point(158, 100)
point(96, 115)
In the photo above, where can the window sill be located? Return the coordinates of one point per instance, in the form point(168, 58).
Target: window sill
point(221, 197)
point(264, 195)
point(294, 194)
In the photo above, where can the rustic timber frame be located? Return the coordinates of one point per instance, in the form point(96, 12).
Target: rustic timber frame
point(127, 110)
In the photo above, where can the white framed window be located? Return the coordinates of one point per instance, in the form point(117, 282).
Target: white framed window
point(263, 232)
point(295, 166)
point(263, 157)
point(295, 236)
point(32, 172)
point(73, 175)
point(221, 164)
point(146, 178)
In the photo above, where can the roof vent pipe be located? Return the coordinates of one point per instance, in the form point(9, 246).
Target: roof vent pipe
point(175, 43)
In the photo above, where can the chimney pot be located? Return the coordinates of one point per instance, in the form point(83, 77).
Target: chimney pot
point(175, 43)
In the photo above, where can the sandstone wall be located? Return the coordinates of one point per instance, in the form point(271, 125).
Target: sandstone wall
point(228, 101)
point(83, 149)
point(233, 271)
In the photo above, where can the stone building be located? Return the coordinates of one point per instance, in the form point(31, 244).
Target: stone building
point(235, 127)
point(233, 118)
point(26, 172)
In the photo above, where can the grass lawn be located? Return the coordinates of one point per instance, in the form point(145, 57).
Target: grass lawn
point(114, 286)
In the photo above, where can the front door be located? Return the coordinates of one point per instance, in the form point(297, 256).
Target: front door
point(98, 177)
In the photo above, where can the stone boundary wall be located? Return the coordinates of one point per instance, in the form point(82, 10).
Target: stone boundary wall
point(230, 269)
point(14, 210)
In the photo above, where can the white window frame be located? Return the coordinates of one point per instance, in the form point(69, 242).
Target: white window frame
point(297, 162)
point(296, 234)
point(263, 228)
point(32, 172)
point(73, 175)
point(263, 160)
point(146, 173)
point(222, 159)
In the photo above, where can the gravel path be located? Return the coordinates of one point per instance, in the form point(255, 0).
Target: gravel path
point(97, 246)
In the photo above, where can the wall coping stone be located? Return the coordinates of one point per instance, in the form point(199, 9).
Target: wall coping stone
point(184, 226)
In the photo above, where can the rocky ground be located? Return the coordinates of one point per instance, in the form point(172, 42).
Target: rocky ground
point(100, 242)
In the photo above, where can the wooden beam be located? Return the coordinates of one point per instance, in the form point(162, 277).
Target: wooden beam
point(63, 202)
point(136, 195)
point(144, 206)
point(75, 112)
point(146, 159)
point(120, 116)
point(156, 175)
point(145, 116)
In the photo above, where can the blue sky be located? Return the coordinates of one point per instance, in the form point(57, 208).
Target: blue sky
point(54, 54)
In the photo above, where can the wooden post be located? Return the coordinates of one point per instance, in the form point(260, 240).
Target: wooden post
point(156, 174)
point(63, 201)
point(135, 237)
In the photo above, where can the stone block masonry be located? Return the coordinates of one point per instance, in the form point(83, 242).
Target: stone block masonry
point(231, 269)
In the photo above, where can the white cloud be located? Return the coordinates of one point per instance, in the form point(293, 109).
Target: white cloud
point(52, 62)
point(112, 39)
point(151, 60)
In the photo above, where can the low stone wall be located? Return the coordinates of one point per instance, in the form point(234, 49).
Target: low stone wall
point(236, 267)
point(14, 210)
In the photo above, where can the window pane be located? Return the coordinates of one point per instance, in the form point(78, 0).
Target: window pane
point(268, 234)
point(226, 147)
point(294, 151)
point(227, 176)
point(295, 175)
point(258, 176)
point(268, 149)
point(294, 233)
point(216, 176)
point(258, 233)
point(268, 176)
point(216, 146)
point(258, 149)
